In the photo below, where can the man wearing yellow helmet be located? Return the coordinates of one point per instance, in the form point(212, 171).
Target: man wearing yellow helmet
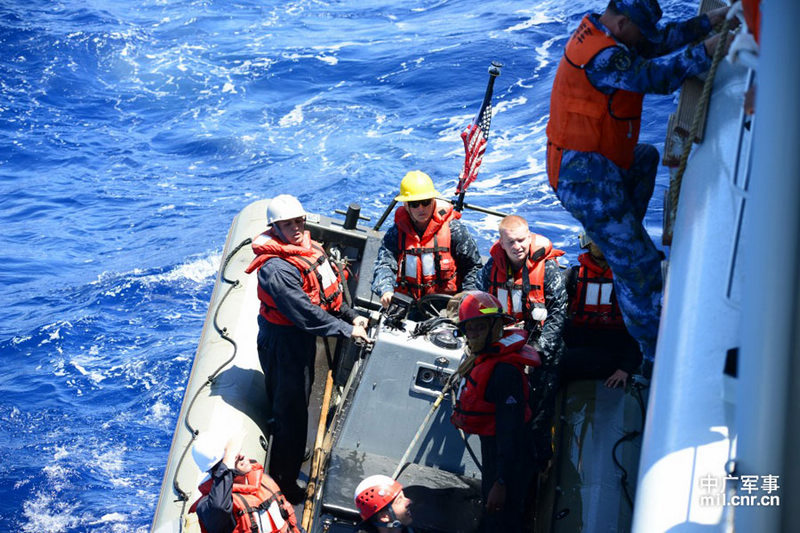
point(427, 250)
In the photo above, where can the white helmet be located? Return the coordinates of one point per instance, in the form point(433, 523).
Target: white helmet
point(208, 450)
point(284, 207)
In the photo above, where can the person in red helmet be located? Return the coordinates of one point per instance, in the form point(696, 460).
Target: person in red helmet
point(382, 505)
point(493, 402)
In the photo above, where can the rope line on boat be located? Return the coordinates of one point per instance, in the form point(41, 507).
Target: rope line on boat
point(699, 116)
point(465, 438)
point(626, 437)
point(223, 332)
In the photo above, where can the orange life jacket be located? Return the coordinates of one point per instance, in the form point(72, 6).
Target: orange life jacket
point(752, 15)
point(583, 118)
point(321, 281)
point(472, 412)
point(509, 287)
point(258, 504)
point(425, 265)
point(594, 303)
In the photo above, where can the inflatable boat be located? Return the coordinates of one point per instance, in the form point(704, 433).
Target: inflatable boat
point(717, 408)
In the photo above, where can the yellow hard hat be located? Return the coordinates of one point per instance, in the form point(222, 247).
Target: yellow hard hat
point(416, 185)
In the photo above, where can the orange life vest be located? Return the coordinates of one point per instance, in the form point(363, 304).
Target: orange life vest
point(509, 287)
point(594, 303)
point(425, 265)
point(321, 281)
point(583, 118)
point(472, 412)
point(752, 15)
point(258, 504)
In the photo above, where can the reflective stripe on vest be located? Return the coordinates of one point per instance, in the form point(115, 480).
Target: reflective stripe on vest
point(593, 303)
point(472, 412)
point(509, 287)
point(258, 504)
point(426, 264)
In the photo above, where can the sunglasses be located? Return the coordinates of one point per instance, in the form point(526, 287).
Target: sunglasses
point(423, 203)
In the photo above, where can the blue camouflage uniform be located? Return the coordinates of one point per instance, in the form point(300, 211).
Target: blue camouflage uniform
point(610, 201)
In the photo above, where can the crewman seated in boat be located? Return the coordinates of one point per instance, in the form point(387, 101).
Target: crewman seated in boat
point(599, 171)
point(427, 250)
point(598, 343)
point(493, 402)
point(258, 505)
point(523, 273)
point(301, 299)
point(383, 506)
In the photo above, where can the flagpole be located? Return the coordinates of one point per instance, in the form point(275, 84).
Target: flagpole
point(494, 71)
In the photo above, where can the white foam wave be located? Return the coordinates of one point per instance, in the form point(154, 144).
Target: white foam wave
point(540, 16)
point(47, 513)
point(159, 412)
point(331, 60)
point(54, 331)
point(80, 363)
point(338, 46)
point(506, 105)
point(21, 339)
point(197, 270)
point(111, 463)
point(293, 118)
point(543, 53)
point(57, 476)
point(111, 517)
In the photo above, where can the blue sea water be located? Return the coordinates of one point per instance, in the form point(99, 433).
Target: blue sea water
point(132, 132)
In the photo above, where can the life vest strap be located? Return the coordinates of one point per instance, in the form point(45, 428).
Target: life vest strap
point(432, 250)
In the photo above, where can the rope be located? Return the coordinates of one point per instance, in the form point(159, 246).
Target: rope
point(699, 117)
point(465, 438)
point(628, 436)
point(182, 495)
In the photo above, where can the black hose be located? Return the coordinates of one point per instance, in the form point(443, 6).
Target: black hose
point(182, 495)
point(627, 437)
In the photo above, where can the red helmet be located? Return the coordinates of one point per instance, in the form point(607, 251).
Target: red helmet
point(375, 493)
point(479, 304)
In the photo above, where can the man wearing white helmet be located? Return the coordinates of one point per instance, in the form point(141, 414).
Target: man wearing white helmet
point(382, 505)
point(258, 504)
point(427, 250)
point(301, 299)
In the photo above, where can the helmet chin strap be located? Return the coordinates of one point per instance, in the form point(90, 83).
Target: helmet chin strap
point(278, 232)
point(393, 522)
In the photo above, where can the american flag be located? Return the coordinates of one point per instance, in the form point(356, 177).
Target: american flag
point(474, 137)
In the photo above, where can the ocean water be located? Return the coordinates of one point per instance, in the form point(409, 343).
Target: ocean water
point(132, 132)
